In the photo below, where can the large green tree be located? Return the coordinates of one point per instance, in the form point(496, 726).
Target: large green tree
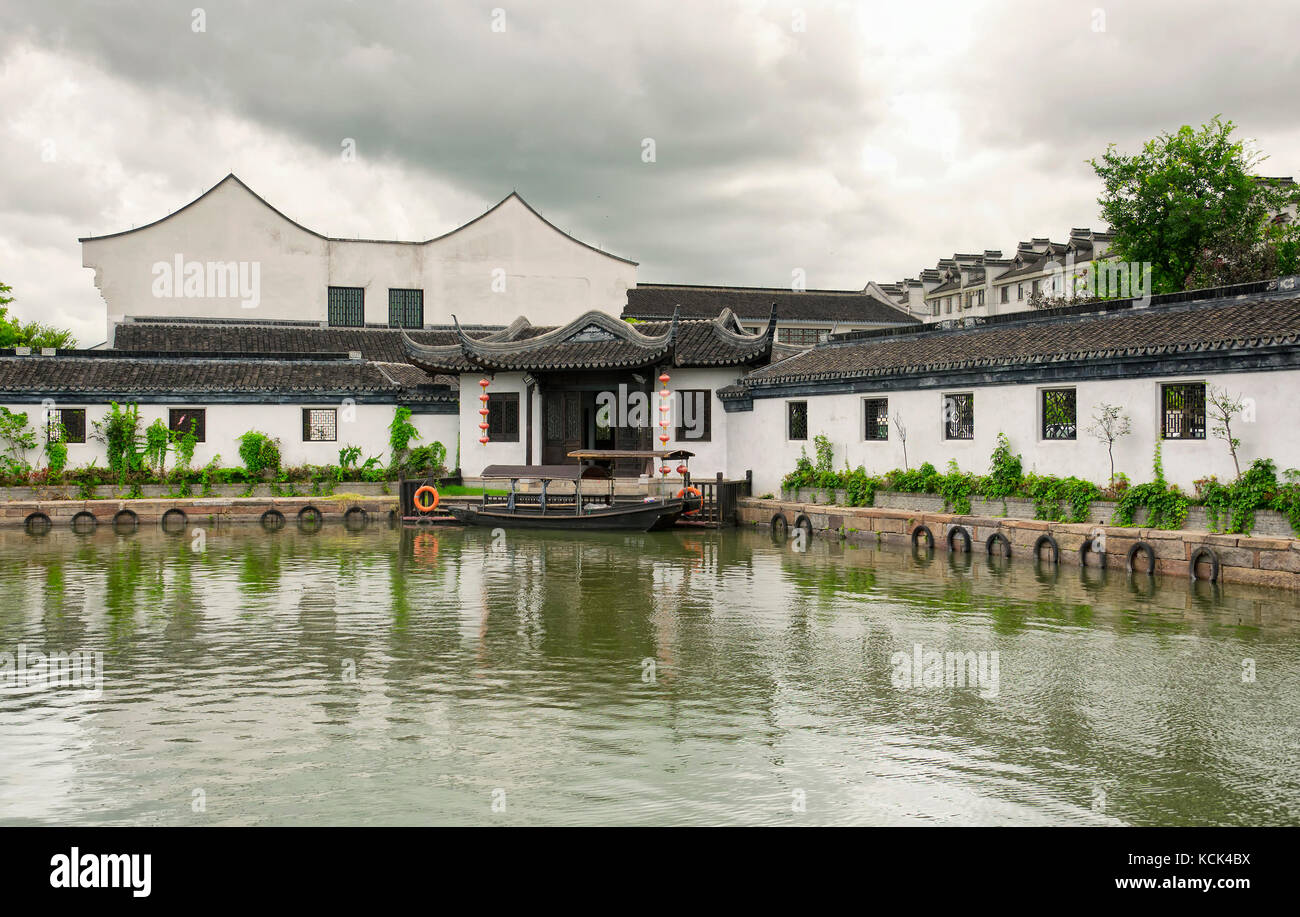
point(1193, 205)
point(14, 333)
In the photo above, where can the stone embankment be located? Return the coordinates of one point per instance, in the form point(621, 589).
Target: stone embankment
point(1261, 561)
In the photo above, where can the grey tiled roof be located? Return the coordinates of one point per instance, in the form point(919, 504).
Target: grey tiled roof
point(384, 344)
point(597, 340)
point(109, 372)
point(1154, 331)
point(649, 300)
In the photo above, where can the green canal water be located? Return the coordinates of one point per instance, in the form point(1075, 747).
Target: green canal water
point(447, 677)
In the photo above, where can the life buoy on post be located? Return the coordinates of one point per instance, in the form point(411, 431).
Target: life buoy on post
point(427, 507)
point(691, 490)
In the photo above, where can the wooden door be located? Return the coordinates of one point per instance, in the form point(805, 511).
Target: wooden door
point(562, 431)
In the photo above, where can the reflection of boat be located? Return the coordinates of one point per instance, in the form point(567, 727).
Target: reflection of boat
point(575, 510)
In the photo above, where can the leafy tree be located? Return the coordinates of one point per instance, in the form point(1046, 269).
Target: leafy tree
point(14, 333)
point(1190, 200)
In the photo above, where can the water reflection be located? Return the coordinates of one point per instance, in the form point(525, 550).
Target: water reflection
point(397, 676)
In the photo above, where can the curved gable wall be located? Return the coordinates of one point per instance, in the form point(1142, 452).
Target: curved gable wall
point(507, 262)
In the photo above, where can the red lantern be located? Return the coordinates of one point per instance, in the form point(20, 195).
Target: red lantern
point(682, 469)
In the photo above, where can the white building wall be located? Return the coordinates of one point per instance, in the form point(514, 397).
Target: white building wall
point(475, 456)
point(506, 263)
point(364, 425)
point(710, 457)
point(757, 439)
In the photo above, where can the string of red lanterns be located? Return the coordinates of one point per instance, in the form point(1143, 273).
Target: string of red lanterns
point(664, 408)
point(483, 411)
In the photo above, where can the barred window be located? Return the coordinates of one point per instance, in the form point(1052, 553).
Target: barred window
point(934, 307)
point(503, 417)
point(67, 425)
point(1183, 411)
point(959, 415)
point(319, 425)
point(694, 415)
point(875, 418)
point(1003, 295)
point(406, 308)
point(801, 336)
point(1060, 414)
point(180, 419)
point(347, 306)
point(796, 420)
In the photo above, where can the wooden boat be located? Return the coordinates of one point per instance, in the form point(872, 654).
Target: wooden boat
point(576, 510)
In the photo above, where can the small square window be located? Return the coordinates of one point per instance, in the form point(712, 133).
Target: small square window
point(179, 421)
point(347, 307)
point(319, 425)
point(1182, 414)
point(67, 425)
point(406, 308)
point(796, 420)
point(503, 417)
point(1060, 414)
point(959, 415)
point(694, 415)
point(875, 419)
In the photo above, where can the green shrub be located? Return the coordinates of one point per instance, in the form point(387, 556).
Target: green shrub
point(259, 452)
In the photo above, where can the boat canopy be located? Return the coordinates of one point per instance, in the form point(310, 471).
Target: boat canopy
point(544, 472)
point(596, 454)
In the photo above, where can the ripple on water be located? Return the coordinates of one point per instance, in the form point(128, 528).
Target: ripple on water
point(663, 679)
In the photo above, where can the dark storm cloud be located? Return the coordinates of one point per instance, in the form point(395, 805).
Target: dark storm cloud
point(878, 139)
point(557, 105)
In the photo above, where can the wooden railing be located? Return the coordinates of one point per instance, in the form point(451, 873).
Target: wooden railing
point(720, 496)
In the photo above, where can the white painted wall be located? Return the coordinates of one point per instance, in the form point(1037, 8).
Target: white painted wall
point(475, 456)
point(757, 440)
point(364, 425)
point(538, 270)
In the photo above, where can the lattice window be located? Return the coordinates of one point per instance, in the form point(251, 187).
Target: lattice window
point(1183, 414)
point(503, 417)
point(347, 307)
point(406, 308)
point(694, 415)
point(67, 425)
point(875, 418)
point(1060, 414)
point(180, 419)
point(959, 416)
point(797, 420)
point(801, 336)
point(319, 425)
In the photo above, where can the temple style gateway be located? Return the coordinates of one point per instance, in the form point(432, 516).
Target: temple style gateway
point(226, 316)
point(591, 385)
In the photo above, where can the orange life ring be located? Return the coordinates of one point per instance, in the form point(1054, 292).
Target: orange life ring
point(427, 507)
point(691, 490)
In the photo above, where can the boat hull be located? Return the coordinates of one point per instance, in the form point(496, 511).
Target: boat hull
point(636, 517)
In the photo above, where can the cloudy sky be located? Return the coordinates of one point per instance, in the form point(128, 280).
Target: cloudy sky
point(857, 141)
